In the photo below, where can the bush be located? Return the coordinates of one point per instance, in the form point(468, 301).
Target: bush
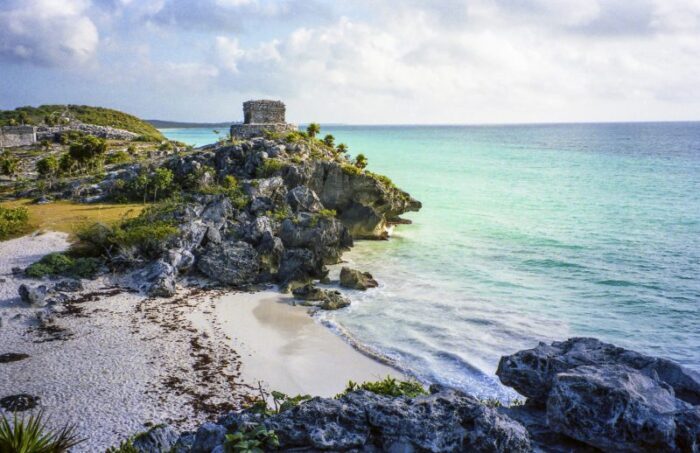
point(47, 167)
point(387, 387)
point(382, 179)
point(30, 435)
point(61, 264)
point(119, 157)
point(361, 161)
point(251, 439)
point(351, 170)
point(13, 221)
point(269, 167)
point(9, 164)
point(87, 149)
point(329, 140)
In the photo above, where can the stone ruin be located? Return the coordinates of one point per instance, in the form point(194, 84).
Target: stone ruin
point(261, 116)
point(11, 136)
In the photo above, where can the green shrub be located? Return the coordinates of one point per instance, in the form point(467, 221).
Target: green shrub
point(385, 180)
point(329, 140)
point(30, 435)
point(269, 167)
point(61, 264)
point(387, 387)
point(361, 161)
point(279, 214)
point(13, 221)
point(313, 129)
point(119, 157)
point(9, 164)
point(47, 167)
point(165, 146)
point(87, 148)
point(69, 137)
point(351, 170)
point(272, 135)
point(342, 148)
point(251, 439)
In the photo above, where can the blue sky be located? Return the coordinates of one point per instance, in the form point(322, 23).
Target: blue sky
point(358, 61)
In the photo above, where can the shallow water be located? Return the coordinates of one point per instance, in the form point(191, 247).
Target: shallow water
point(529, 233)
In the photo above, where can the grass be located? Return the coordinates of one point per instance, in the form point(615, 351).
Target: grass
point(13, 221)
point(68, 217)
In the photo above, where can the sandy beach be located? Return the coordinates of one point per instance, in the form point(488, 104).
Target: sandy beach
point(118, 362)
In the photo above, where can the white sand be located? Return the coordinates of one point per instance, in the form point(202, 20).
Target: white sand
point(129, 360)
point(286, 349)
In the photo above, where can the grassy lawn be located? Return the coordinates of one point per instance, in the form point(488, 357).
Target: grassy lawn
point(69, 217)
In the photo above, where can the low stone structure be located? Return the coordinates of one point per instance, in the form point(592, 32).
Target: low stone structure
point(261, 116)
point(11, 136)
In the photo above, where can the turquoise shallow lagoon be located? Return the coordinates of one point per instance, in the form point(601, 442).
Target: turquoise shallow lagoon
point(528, 233)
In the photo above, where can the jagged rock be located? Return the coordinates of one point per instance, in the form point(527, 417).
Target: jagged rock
point(19, 403)
point(300, 265)
point(216, 212)
point(351, 278)
point(317, 297)
point(156, 440)
point(364, 421)
point(326, 237)
point(617, 408)
point(184, 443)
point(255, 230)
point(157, 279)
point(301, 198)
point(208, 437)
point(69, 286)
point(182, 260)
point(233, 263)
point(363, 202)
point(531, 372)
point(33, 295)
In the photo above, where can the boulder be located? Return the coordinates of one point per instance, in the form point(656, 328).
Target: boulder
point(181, 259)
point(301, 198)
point(208, 436)
point(618, 408)
point(69, 286)
point(156, 440)
point(157, 279)
point(232, 263)
point(33, 295)
point(364, 421)
point(326, 237)
point(300, 265)
point(531, 372)
point(351, 278)
point(317, 297)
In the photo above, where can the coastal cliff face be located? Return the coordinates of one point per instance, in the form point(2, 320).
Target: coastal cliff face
point(583, 395)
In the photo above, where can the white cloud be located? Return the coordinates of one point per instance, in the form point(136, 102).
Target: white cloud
point(47, 32)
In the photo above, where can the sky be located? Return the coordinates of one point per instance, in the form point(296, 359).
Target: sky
point(358, 61)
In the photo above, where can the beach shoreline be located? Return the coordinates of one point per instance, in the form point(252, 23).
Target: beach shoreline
point(124, 361)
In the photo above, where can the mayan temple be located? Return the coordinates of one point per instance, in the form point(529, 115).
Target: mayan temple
point(260, 116)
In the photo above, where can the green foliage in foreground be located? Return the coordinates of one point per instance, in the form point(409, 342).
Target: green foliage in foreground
point(61, 264)
point(387, 387)
point(90, 115)
point(256, 439)
point(30, 435)
point(145, 235)
point(13, 221)
point(269, 167)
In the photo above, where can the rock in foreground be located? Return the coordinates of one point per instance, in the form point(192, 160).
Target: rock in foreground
point(354, 279)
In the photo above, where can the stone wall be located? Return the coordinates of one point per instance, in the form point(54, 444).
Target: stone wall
point(53, 133)
point(17, 136)
point(246, 131)
point(263, 112)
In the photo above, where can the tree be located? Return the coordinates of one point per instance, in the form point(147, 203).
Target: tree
point(361, 161)
point(162, 179)
point(329, 140)
point(313, 129)
point(9, 164)
point(342, 148)
point(87, 149)
point(47, 167)
point(66, 164)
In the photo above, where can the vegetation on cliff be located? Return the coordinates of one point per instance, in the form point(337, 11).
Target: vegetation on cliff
point(52, 115)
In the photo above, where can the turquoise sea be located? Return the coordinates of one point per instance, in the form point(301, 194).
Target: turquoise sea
point(527, 233)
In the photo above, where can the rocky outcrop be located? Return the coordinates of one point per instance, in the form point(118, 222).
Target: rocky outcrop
point(321, 298)
point(110, 133)
point(156, 440)
point(532, 372)
point(157, 279)
point(597, 400)
point(608, 397)
point(354, 279)
point(33, 295)
point(233, 263)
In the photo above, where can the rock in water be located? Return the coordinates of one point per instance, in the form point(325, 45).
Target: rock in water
point(351, 278)
point(33, 295)
point(156, 440)
point(233, 263)
point(317, 297)
point(531, 372)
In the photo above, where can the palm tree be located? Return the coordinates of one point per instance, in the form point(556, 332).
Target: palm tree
point(313, 129)
point(342, 148)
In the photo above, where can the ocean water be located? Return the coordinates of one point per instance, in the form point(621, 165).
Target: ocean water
point(528, 233)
